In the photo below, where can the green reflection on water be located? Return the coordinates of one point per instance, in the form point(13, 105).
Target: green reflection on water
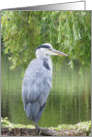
point(69, 101)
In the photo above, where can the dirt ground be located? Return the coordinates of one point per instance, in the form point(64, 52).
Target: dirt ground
point(46, 132)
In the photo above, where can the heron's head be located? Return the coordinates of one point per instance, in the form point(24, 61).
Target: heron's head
point(47, 49)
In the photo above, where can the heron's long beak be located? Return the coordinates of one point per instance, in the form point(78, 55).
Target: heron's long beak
point(56, 52)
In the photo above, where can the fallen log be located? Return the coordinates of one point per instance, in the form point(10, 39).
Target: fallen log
point(47, 132)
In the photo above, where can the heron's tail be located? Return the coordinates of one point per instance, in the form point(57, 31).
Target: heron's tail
point(39, 114)
point(34, 111)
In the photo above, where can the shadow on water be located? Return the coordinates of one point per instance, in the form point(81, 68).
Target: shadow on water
point(69, 101)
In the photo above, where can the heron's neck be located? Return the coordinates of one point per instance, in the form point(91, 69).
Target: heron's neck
point(47, 59)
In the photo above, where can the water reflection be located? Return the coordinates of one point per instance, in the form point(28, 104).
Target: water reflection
point(69, 101)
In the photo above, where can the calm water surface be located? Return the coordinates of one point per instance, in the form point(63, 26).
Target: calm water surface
point(69, 101)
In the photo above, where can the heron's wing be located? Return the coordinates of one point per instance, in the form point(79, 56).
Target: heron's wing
point(35, 88)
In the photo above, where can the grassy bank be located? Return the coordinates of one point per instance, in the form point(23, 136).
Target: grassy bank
point(80, 129)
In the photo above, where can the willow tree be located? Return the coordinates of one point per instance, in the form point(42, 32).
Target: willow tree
point(68, 31)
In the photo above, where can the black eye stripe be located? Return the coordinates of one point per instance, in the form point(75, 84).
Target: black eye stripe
point(43, 46)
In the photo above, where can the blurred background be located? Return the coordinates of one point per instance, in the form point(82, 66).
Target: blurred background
point(69, 101)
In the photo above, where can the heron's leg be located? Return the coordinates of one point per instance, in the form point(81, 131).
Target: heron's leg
point(28, 119)
point(37, 129)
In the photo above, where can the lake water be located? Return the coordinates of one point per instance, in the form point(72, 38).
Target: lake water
point(69, 101)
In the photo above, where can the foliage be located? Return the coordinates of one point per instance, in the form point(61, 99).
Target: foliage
point(81, 127)
point(5, 123)
point(86, 126)
point(67, 31)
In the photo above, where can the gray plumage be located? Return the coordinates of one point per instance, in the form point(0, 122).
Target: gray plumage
point(37, 82)
point(35, 88)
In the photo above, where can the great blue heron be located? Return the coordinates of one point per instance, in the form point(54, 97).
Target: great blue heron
point(37, 82)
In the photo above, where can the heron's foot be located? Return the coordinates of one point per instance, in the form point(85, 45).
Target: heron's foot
point(37, 129)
